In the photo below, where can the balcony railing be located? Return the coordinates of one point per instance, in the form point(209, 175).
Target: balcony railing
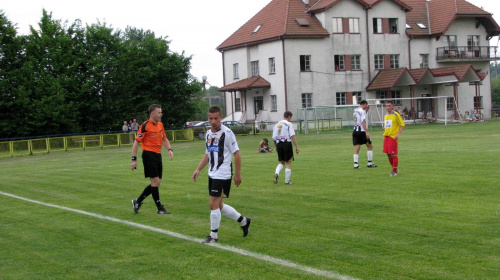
point(466, 53)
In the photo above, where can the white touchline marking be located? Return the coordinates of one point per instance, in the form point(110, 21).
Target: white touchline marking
point(310, 270)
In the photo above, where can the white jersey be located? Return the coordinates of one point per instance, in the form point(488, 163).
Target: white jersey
point(221, 146)
point(283, 131)
point(359, 116)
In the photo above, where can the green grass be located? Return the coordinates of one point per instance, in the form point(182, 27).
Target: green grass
point(438, 219)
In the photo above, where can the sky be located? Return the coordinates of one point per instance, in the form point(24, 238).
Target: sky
point(194, 27)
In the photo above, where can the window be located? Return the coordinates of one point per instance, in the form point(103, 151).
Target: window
point(257, 28)
point(450, 103)
point(237, 104)
point(393, 23)
point(337, 25)
point(236, 72)
point(339, 62)
point(272, 65)
point(357, 94)
point(478, 102)
point(379, 61)
point(421, 25)
point(353, 25)
point(472, 42)
point(255, 68)
point(305, 63)
point(450, 41)
point(394, 61)
point(340, 98)
point(396, 94)
point(274, 103)
point(425, 60)
point(306, 100)
point(379, 94)
point(377, 25)
point(355, 62)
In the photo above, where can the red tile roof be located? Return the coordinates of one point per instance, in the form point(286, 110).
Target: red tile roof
point(278, 20)
point(247, 84)
point(388, 78)
point(442, 13)
point(323, 5)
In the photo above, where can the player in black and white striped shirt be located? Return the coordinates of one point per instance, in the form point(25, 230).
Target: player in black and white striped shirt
point(360, 135)
point(221, 145)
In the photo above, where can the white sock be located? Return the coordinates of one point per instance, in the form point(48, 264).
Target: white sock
point(230, 212)
point(288, 172)
point(278, 169)
point(356, 158)
point(215, 218)
point(369, 154)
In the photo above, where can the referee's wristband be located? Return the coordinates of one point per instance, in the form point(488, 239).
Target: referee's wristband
point(170, 150)
point(134, 158)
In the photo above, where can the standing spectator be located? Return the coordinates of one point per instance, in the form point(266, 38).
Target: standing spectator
point(221, 145)
point(393, 126)
point(283, 136)
point(125, 126)
point(360, 135)
point(135, 125)
point(152, 136)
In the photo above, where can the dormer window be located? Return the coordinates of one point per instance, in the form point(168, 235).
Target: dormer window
point(302, 21)
point(257, 28)
point(421, 25)
point(408, 26)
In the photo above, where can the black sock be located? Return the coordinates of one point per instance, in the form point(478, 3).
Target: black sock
point(156, 196)
point(145, 193)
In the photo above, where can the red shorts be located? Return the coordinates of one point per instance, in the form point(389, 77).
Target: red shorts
point(390, 146)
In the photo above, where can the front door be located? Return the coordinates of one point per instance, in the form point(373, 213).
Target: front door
point(258, 104)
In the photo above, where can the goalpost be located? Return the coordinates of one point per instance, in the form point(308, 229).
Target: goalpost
point(380, 111)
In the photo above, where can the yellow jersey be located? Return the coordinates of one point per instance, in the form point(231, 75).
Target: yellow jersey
point(392, 123)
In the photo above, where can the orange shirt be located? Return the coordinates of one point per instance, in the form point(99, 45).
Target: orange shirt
point(151, 136)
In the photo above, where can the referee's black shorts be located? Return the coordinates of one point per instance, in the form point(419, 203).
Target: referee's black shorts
point(359, 138)
point(153, 166)
point(285, 151)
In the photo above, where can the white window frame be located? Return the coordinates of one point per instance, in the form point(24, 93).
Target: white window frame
point(339, 61)
point(337, 26)
point(425, 60)
point(340, 98)
point(236, 71)
point(307, 63)
point(272, 65)
point(255, 68)
point(394, 61)
point(306, 100)
point(274, 103)
point(353, 25)
point(356, 62)
point(379, 61)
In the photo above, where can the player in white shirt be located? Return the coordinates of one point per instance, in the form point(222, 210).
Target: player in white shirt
point(221, 145)
point(360, 135)
point(283, 136)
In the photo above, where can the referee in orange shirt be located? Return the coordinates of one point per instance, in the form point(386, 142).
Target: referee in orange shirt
point(152, 136)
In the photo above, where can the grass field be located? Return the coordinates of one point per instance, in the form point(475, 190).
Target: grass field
point(67, 215)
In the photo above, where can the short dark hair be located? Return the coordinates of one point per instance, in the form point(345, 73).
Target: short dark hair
point(363, 102)
point(214, 109)
point(287, 114)
point(390, 101)
point(153, 107)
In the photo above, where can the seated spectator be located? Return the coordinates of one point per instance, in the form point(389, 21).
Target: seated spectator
point(405, 113)
point(430, 118)
point(264, 146)
point(125, 126)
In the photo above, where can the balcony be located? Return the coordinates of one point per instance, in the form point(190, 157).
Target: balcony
point(466, 53)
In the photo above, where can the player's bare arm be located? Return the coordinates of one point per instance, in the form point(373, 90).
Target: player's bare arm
point(201, 165)
point(237, 164)
point(135, 147)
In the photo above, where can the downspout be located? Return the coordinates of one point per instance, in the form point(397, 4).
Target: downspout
point(284, 73)
point(224, 82)
point(409, 52)
point(368, 48)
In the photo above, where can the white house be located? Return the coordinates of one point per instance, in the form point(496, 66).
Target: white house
point(297, 53)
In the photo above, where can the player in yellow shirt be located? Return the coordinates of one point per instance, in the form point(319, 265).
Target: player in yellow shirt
point(393, 126)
